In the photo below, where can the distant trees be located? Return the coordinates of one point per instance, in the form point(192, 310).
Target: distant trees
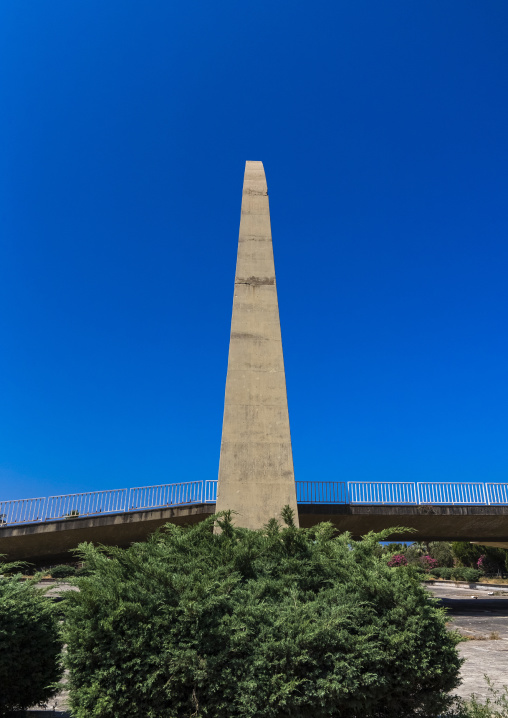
point(452, 556)
point(242, 624)
point(30, 643)
point(468, 554)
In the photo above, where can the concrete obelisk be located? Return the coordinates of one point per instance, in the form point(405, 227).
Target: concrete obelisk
point(256, 476)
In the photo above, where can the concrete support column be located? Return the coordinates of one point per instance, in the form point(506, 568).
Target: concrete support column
point(256, 476)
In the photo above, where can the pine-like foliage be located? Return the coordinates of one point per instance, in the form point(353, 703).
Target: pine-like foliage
point(29, 644)
point(277, 623)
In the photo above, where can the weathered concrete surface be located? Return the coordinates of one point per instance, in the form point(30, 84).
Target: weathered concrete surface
point(485, 623)
point(53, 541)
point(256, 476)
point(432, 523)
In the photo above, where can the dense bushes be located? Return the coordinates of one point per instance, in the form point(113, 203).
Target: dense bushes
point(67, 571)
point(459, 573)
point(243, 624)
point(62, 571)
point(454, 560)
point(442, 572)
point(30, 645)
point(466, 574)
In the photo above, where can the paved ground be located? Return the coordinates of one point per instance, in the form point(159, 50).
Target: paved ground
point(484, 620)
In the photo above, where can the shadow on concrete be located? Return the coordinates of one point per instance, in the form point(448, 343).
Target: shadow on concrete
point(479, 605)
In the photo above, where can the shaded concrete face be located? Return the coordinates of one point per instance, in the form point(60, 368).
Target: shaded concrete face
point(54, 541)
point(482, 524)
point(256, 476)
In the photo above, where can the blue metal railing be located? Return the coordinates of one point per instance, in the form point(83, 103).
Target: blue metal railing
point(374, 493)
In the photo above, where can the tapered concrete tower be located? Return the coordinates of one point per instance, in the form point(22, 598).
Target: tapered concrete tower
point(256, 476)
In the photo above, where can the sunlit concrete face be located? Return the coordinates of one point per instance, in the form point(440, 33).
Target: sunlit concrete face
point(256, 476)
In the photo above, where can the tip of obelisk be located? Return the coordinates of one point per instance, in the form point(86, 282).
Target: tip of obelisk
point(254, 181)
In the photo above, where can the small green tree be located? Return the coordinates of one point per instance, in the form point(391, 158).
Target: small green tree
point(30, 643)
point(466, 553)
point(277, 623)
point(442, 552)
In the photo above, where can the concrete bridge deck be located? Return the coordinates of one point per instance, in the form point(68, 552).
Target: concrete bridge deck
point(53, 540)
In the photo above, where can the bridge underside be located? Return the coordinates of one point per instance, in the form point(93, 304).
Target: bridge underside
point(53, 541)
point(432, 523)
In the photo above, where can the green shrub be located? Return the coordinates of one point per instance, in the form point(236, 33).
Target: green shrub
point(460, 573)
point(442, 572)
point(446, 573)
point(247, 624)
point(62, 571)
point(30, 645)
point(472, 575)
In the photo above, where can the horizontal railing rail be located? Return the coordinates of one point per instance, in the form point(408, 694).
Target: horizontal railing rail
point(375, 493)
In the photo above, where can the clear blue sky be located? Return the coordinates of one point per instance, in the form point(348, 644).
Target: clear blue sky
point(124, 130)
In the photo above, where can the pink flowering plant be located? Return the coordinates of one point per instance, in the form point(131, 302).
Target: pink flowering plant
point(398, 560)
point(427, 562)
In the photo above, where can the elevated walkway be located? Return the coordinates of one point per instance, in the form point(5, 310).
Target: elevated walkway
point(53, 541)
point(45, 530)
